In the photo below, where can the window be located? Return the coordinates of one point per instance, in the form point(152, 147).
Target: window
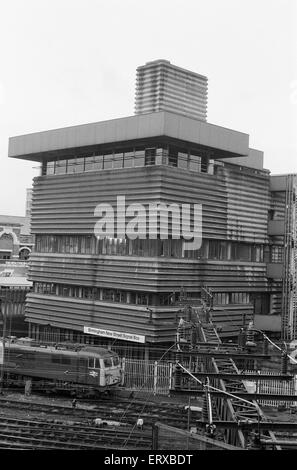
point(116, 360)
point(108, 362)
point(214, 249)
point(139, 157)
point(277, 254)
point(134, 157)
point(118, 160)
point(50, 168)
point(204, 165)
point(129, 159)
point(108, 161)
point(240, 298)
point(98, 162)
point(142, 299)
point(108, 294)
point(161, 157)
point(241, 252)
point(261, 304)
point(86, 245)
point(76, 292)
point(150, 156)
point(87, 293)
point(244, 252)
point(218, 249)
point(64, 291)
point(221, 298)
point(89, 163)
point(61, 167)
point(182, 160)
point(79, 165)
point(173, 156)
point(194, 163)
point(91, 363)
point(73, 244)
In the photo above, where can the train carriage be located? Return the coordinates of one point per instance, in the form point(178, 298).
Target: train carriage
point(81, 365)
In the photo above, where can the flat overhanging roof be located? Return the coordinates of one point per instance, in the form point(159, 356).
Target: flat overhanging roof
point(224, 143)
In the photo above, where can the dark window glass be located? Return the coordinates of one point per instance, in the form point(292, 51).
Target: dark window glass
point(244, 252)
point(116, 360)
point(91, 362)
point(97, 363)
point(108, 362)
point(261, 304)
point(204, 165)
point(150, 156)
point(214, 249)
point(173, 156)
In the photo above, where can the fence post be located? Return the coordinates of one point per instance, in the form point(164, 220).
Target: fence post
point(170, 377)
point(155, 376)
point(155, 436)
point(123, 371)
point(295, 385)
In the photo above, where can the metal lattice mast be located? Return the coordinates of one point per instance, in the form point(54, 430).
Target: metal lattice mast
point(289, 326)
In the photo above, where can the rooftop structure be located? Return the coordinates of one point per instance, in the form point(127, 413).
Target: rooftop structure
point(161, 86)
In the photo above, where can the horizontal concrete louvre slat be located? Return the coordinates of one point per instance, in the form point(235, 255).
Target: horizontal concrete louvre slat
point(75, 314)
point(120, 272)
point(174, 186)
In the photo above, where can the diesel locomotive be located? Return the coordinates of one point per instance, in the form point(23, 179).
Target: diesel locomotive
point(62, 365)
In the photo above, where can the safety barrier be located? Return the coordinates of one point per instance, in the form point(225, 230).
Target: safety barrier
point(147, 376)
point(276, 387)
point(171, 438)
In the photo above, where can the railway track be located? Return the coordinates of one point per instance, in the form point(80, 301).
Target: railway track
point(123, 411)
point(59, 426)
point(32, 434)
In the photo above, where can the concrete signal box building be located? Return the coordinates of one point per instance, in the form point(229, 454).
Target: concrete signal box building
point(117, 289)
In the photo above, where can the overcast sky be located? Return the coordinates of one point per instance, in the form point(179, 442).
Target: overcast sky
point(67, 62)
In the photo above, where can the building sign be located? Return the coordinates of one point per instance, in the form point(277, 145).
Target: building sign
point(1, 354)
point(115, 334)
